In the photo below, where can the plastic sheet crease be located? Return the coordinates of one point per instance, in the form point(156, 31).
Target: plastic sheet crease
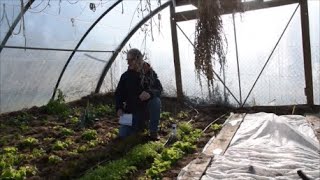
point(267, 146)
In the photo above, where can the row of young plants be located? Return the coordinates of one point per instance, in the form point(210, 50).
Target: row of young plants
point(17, 159)
point(9, 159)
point(14, 161)
point(154, 157)
point(87, 115)
point(63, 112)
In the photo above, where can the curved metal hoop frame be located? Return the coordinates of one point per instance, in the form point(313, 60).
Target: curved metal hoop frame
point(15, 23)
point(123, 43)
point(79, 43)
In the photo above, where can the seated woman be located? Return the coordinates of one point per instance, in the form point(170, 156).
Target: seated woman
point(138, 93)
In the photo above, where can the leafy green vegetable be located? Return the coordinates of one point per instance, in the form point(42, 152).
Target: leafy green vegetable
point(89, 134)
point(54, 159)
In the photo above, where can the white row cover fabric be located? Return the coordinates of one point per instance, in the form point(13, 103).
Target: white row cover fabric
point(267, 146)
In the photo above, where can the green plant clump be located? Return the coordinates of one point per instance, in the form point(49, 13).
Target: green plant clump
point(185, 128)
point(216, 127)
point(113, 133)
point(69, 141)
point(103, 110)
point(74, 120)
point(9, 160)
point(66, 131)
point(172, 154)
point(93, 143)
point(187, 147)
point(11, 173)
point(82, 148)
point(10, 150)
point(37, 153)
point(9, 157)
point(160, 158)
point(89, 134)
point(58, 106)
point(182, 115)
point(165, 115)
point(122, 168)
point(162, 163)
point(21, 119)
point(54, 159)
point(158, 166)
point(187, 138)
point(28, 142)
point(48, 139)
point(88, 117)
point(59, 145)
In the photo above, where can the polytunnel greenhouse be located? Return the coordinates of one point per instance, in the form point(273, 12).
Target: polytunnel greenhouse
point(240, 89)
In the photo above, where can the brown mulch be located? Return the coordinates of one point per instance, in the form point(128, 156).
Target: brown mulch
point(43, 126)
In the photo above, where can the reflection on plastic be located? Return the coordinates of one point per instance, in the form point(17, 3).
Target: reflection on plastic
point(267, 146)
point(217, 151)
point(235, 122)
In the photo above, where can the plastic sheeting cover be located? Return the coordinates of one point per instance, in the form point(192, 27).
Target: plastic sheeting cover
point(267, 146)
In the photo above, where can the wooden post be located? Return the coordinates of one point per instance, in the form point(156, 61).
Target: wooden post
point(176, 58)
point(306, 51)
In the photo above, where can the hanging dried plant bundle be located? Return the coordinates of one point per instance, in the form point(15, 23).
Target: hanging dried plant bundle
point(209, 39)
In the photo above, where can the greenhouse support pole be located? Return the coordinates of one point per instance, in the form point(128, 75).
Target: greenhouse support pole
point(274, 48)
point(306, 51)
point(176, 58)
point(124, 42)
point(78, 45)
point(237, 54)
point(185, 35)
point(14, 24)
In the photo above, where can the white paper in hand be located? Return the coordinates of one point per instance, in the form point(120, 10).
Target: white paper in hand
point(126, 119)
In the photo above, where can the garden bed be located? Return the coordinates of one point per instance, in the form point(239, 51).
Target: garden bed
point(74, 140)
point(68, 140)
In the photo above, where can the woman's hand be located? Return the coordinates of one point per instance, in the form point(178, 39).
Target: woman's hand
point(144, 96)
point(120, 112)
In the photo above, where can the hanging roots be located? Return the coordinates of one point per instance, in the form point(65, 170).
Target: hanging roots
point(209, 39)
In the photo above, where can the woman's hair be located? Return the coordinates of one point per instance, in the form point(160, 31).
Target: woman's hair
point(136, 53)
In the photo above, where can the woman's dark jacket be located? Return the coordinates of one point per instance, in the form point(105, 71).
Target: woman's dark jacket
point(132, 84)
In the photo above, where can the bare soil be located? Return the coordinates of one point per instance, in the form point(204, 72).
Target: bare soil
point(47, 130)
